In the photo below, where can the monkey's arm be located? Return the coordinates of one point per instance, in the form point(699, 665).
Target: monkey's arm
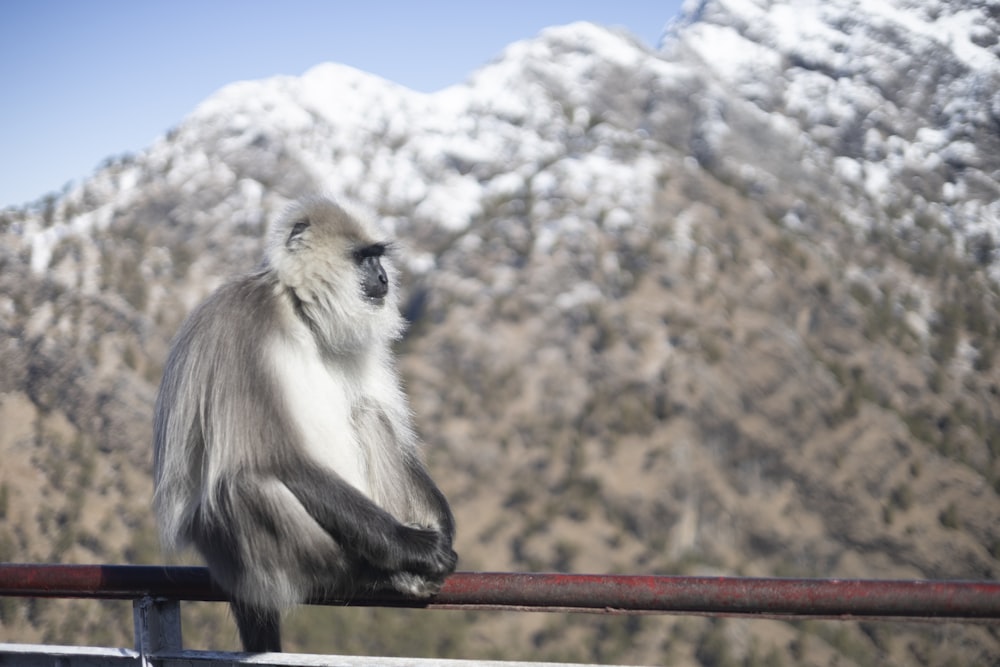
point(432, 501)
point(364, 528)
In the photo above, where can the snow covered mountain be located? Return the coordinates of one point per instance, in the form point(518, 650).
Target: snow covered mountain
point(729, 305)
point(891, 107)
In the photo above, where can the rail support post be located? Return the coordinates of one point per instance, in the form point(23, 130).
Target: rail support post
point(157, 626)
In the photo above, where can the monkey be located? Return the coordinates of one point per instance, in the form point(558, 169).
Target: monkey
point(284, 449)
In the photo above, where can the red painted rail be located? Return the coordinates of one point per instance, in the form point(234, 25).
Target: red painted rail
point(561, 592)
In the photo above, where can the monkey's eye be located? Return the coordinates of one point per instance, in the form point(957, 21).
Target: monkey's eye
point(373, 250)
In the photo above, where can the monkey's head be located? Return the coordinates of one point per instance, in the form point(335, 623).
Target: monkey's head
point(338, 270)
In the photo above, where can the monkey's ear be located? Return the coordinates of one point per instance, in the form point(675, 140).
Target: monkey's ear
point(295, 236)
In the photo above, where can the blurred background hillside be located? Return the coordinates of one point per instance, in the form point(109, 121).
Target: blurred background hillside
point(727, 305)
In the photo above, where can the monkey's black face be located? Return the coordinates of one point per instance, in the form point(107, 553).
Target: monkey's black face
point(374, 281)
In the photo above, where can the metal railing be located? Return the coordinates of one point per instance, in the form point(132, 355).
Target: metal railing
point(799, 598)
point(157, 591)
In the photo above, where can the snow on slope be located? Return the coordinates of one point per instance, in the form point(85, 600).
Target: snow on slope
point(438, 159)
point(900, 99)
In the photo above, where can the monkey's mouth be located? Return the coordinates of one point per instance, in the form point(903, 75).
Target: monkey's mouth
point(377, 301)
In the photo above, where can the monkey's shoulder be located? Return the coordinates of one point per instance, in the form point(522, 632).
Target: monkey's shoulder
point(247, 302)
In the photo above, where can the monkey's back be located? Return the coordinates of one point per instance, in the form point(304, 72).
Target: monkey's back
point(215, 402)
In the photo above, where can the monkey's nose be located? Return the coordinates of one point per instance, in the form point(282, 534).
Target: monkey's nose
point(376, 283)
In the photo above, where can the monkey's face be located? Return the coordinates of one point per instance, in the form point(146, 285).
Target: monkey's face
point(323, 252)
point(338, 269)
point(374, 281)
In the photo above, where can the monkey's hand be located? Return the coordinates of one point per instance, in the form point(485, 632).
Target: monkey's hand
point(426, 584)
point(428, 551)
point(424, 578)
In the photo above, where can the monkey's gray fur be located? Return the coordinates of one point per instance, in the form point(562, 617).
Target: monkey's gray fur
point(283, 445)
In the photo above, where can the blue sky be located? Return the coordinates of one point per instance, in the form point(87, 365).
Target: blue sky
point(85, 80)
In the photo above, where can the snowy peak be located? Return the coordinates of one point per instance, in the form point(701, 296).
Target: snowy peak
point(436, 159)
point(897, 99)
point(332, 92)
point(826, 33)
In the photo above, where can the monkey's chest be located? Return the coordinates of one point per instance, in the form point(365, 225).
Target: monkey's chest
point(320, 406)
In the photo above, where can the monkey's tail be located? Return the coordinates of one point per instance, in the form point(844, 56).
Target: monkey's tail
point(260, 629)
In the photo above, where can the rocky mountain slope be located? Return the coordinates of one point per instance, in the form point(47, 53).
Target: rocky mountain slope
point(729, 306)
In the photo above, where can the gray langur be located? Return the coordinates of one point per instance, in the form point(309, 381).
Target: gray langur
point(283, 445)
